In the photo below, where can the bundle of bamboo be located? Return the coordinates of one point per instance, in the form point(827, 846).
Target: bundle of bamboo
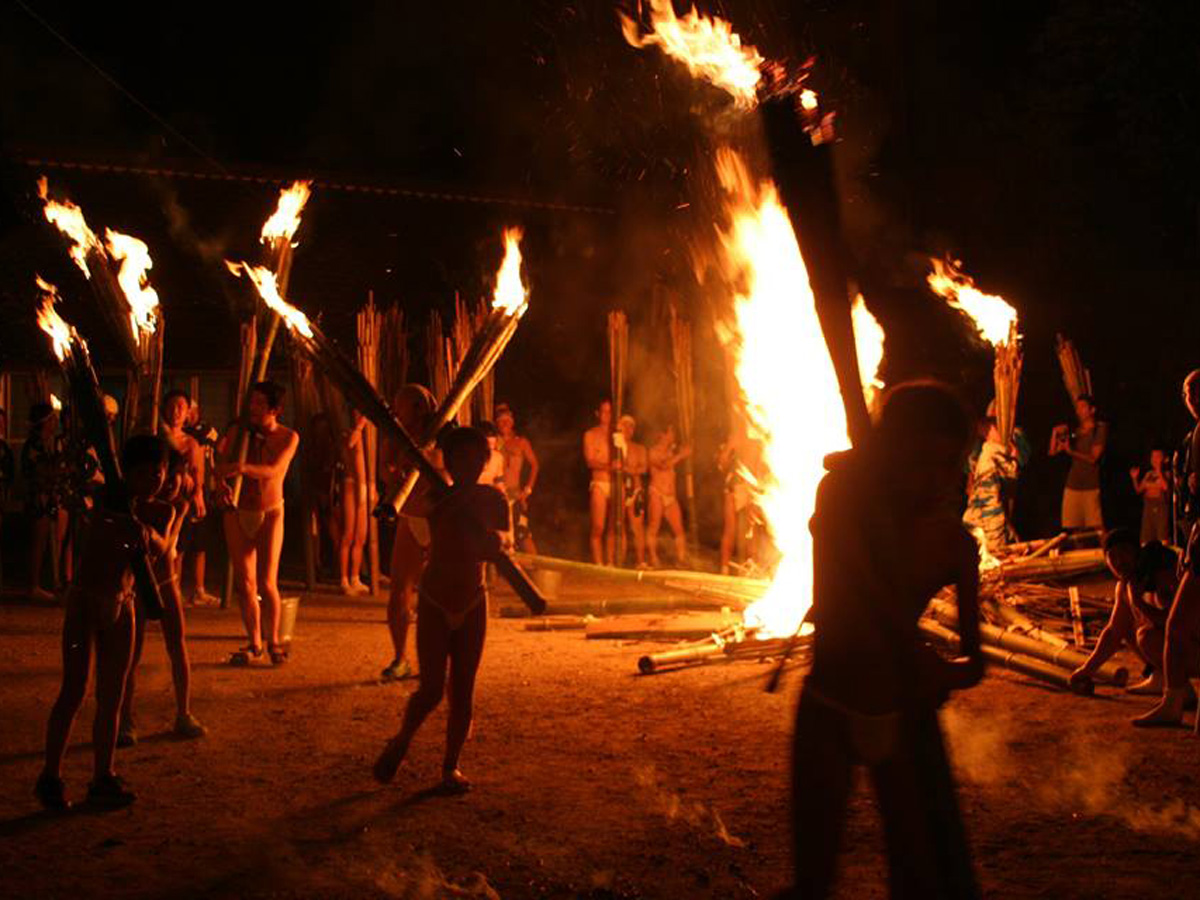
point(369, 326)
point(618, 353)
point(393, 351)
point(1006, 375)
point(685, 405)
point(1076, 378)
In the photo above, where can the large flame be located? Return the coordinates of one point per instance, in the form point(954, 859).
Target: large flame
point(787, 381)
point(68, 218)
point(264, 282)
point(992, 315)
point(707, 46)
point(511, 295)
point(285, 220)
point(51, 322)
point(133, 277)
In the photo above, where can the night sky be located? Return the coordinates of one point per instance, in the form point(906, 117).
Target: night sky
point(1050, 145)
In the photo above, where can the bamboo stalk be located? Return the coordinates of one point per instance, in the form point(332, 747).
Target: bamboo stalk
point(1064, 565)
point(1016, 662)
point(670, 578)
point(368, 363)
point(618, 346)
point(685, 403)
point(1076, 378)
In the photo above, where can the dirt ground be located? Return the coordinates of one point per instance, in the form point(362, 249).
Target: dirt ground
point(590, 780)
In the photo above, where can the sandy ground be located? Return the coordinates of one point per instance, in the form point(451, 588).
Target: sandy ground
point(590, 780)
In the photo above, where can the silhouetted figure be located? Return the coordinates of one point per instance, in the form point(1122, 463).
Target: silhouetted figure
point(886, 537)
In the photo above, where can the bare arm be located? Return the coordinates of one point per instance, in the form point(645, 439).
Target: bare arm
point(531, 458)
point(967, 596)
point(1118, 628)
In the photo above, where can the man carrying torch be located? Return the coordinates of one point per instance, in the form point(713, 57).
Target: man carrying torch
point(254, 526)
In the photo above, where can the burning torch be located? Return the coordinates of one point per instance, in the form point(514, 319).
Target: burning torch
point(365, 398)
point(72, 354)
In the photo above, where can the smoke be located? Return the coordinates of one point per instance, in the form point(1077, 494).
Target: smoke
point(672, 806)
point(179, 223)
point(423, 880)
point(1087, 776)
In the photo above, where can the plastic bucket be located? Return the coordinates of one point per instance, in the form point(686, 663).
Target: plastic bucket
point(289, 607)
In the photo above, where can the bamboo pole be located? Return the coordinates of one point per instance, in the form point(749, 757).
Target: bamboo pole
point(618, 346)
point(1076, 378)
point(685, 403)
point(368, 364)
point(1016, 662)
point(1064, 565)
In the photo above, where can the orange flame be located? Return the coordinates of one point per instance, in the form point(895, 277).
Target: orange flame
point(707, 46)
point(134, 257)
point(51, 322)
point(511, 295)
point(992, 315)
point(55, 403)
point(264, 282)
point(868, 346)
point(68, 218)
point(285, 220)
point(776, 332)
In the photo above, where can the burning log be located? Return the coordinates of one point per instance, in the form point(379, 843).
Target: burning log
point(72, 353)
point(1065, 658)
point(362, 396)
point(800, 144)
point(718, 648)
point(509, 302)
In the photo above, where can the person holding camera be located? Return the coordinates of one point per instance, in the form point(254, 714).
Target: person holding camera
point(1081, 495)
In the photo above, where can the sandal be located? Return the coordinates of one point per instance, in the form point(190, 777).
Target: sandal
point(243, 656)
point(397, 670)
point(278, 654)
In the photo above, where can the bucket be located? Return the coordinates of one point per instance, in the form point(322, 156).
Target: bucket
point(288, 608)
point(548, 582)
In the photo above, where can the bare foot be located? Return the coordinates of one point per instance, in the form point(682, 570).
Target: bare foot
point(1167, 714)
point(1152, 686)
point(454, 782)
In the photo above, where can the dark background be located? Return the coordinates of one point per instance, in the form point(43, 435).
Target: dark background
point(1050, 145)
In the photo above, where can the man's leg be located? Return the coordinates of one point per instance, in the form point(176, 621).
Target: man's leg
point(114, 653)
point(637, 525)
point(77, 663)
point(346, 532)
point(242, 556)
point(820, 788)
point(1183, 624)
point(653, 524)
point(408, 561)
point(42, 527)
point(675, 519)
point(127, 734)
point(1092, 510)
point(466, 650)
point(599, 512)
point(360, 537)
point(175, 637)
point(433, 648)
point(269, 546)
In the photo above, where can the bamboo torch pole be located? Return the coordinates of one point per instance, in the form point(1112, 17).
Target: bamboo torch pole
point(368, 363)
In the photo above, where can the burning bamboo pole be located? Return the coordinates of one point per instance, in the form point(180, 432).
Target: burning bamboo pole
point(72, 353)
point(618, 350)
point(685, 404)
point(368, 364)
point(509, 302)
point(718, 648)
point(1076, 378)
point(362, 396)
point(485, 395)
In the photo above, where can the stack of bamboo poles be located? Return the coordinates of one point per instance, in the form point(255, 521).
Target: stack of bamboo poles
point(369, 327)
point(393, 351)
point(436, 359)
point(618, 354)
point(1007, 378)
point(685, 405)
point(484, 397)
point(1076, 378)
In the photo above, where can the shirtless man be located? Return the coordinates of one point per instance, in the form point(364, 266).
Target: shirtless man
point(414, 406)
point(600, 459)
point(254, 530)
point(664, 503)
point(632, 462)
point(517, 453)
point(353, 512)
point(176, 410)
